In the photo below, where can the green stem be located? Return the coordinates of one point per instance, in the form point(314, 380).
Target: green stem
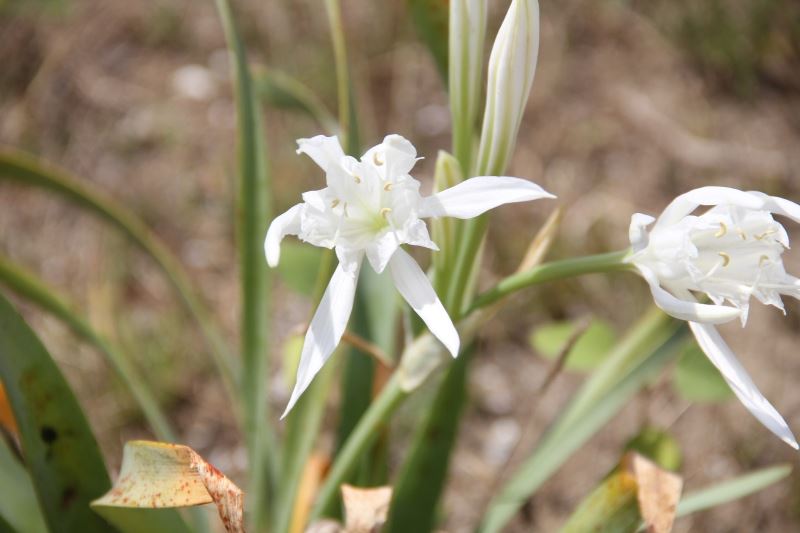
point(24, 169)
point(363, 435)
point(334, 11)
point(608, 262)
point(35, 290)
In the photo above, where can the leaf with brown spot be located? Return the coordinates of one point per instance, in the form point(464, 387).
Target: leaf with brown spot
point(157, 475)
point(365, 510)
point(657, 491)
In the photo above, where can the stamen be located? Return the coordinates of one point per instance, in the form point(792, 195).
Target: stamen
point(763, 259)
point(385, 212)
point(765, 234)
point(388, 186)
point(357, 178)
point(723, 229)
point(335, 203)
point(741, 234)
point(376, 158)
point(726, 259)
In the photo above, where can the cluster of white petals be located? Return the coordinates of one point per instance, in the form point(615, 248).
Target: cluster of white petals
point(370, 207)
point(729, 253)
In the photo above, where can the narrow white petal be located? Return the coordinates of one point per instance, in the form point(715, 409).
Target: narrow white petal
point(686, 309)
point(326, 329)
point(782, 206)
point(711, 195)
point(399, 155)
point(325, 151)
point(285, 224)
point(718, 352)
point(475, 196)
point(381, 250)
point(415, 287)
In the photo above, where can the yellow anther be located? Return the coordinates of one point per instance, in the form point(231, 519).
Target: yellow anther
point(385, 212)
point(357, 178)
point(334, 203)
point(765, 234)
point(376, 158)
point(723, 229)
point(726, 259)
point(741, 234)
point(763, 259)
point(388, 186)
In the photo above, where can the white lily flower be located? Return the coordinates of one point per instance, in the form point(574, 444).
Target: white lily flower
point(729, 253)
point(371, 207)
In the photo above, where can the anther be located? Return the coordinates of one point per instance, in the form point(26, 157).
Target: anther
point(376, 158)
point(357, 178)
point(388, 186)
point(763, 259)
point(726, 259)
point(385, 212)
point(741, 234)
point(334, 203)
point(723, 229)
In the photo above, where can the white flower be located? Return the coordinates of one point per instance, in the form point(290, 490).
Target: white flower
point(371, 207)
point(729, 253)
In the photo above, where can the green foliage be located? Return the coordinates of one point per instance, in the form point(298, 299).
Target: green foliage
point(658, 446)
point(299, 265)
point(430, 19)
point(18, 506)
point(696, 379)
point(549, 340)
point(60, 451)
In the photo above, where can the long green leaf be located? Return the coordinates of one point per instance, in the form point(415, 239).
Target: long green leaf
point(733, 489)
point(637, 359)
point(18, 505)
point(279, 89)
point(27, 286)
point(253, 215)
point(61, 453)
point(22, 168)
point(419, 485)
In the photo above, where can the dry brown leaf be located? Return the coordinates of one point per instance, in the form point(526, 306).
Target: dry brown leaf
point(158, 475)
point(657, 491)
point(365, 510)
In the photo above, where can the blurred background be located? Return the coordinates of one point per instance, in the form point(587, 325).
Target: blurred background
point(634, 102)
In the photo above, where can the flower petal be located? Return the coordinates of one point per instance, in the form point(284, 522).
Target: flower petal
point(285, 224)
point(711, 195)
point(416, 288)
point(686, 309)
point(394, 157)
point(326, 329)
point(718, 352)
point(381, 250)
point(325, 151)
point(638, 231)
point(475, 196)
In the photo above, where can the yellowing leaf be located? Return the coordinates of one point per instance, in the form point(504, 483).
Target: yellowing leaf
point(657, 491)
point(7, 420)
point(157, 475)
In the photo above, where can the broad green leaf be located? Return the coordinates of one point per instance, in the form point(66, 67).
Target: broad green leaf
point(253, 215)
point(158, 475)
point(299, 266)
point(18, 505)
point(634, 361)
point(658, 446)
point(697, 380)
point(733, 489)
point(418, 485)
point(430, 18)
point(24, 169)
point(60, 451)
point(589, 350)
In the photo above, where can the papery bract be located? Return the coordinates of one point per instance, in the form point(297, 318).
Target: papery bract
point(370, 208)
point(730, 253)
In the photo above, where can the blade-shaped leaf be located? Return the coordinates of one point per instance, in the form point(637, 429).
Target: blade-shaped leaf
point(697, 379)
point(18, 505)
point(430, 18)
point(279, 89)
point(158, 475)
point(60, 451)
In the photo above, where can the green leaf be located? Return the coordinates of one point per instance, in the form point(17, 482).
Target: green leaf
point(609, 508)
point(635, 360)
point(280, 90)
point(420, 482)
point(696, 379)
point(430, 18)
point(253, 215)
point(26, 170)
point(61, 453)
point(589, 350)
point(18, 505)
point(731, 490)
point(299, 266)
point(658, 446)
